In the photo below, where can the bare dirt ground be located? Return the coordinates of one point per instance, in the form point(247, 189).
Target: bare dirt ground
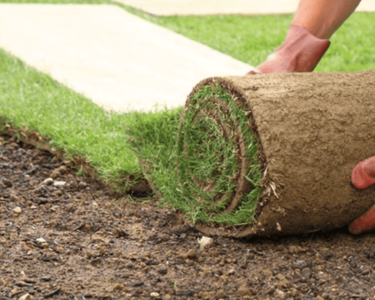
point(69, 237)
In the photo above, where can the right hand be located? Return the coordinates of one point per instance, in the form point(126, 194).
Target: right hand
point(363, 176)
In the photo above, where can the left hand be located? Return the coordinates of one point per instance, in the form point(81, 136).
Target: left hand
point(300, 52)
point(363, 175)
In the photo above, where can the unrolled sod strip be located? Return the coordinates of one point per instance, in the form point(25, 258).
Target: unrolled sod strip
point(275, 152)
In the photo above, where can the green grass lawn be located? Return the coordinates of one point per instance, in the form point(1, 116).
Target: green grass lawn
point(32, 100)
point(252, 39)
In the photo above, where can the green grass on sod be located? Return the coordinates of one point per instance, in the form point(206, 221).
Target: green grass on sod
point(208, 156)
point(200, 165)
point(29, 99)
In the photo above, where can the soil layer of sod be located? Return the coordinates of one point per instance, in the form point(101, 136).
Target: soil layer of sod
point(266, 154)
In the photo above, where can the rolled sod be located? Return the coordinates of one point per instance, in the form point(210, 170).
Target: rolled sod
point(275, 152)
point(263, 155)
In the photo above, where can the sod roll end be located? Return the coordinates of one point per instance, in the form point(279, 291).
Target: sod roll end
point(272, 154)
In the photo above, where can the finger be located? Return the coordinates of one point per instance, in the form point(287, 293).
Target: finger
point(253, 72)
point(364, 223)
point(363, 174)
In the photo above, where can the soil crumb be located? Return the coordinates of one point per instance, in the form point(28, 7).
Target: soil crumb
point(64, 236)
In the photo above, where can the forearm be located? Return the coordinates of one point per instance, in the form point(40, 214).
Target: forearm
point(323, 17)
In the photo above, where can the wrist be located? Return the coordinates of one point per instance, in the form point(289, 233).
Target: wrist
point(305, 48)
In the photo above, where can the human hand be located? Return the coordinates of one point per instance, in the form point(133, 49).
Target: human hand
point(300, 52)
point(363, 175)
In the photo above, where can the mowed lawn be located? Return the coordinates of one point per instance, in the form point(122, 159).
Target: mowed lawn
point(33, 101)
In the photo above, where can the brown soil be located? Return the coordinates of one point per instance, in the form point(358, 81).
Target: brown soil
point(313, 129)
point(77, 241)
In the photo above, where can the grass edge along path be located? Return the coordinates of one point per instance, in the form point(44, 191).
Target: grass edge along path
point(34, 102)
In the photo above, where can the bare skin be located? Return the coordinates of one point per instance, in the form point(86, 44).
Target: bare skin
point(363, 176)
point(323, 17)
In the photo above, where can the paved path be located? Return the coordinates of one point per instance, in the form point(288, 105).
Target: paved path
point(213, 7)
point(116, 59)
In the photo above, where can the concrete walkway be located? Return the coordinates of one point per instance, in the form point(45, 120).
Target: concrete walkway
point(214, 7)
point(116, 59)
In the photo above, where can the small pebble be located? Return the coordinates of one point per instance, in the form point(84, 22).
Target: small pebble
point(117, 287)
point(55, 174)
point(48, 181)
point(82, 184)
point(162, 271)
point(17, 210)
point(300, 264)
point(41, 240)
point(54, 208)
point(205, 242)
point(154, 295)
point(45, 278)
point(59, 183)
point(27, 296)
point(352, 262)
point(62, 170)
point(192, 253)
point(280, 294)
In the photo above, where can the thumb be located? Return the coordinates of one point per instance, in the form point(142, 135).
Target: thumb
point(364, 223)
point(363, 174)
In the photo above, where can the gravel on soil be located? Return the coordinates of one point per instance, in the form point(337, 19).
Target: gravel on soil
point(64, 236)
